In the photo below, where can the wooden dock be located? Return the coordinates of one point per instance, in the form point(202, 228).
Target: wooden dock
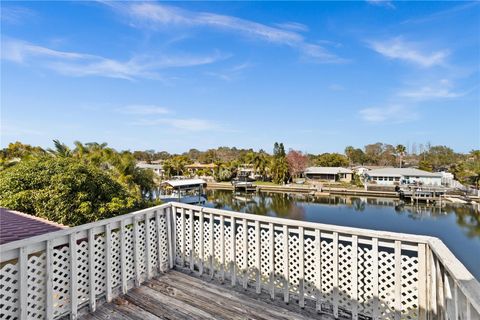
point(178, 295)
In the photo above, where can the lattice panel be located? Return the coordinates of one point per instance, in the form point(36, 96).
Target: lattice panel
point(196, 242)
point(129, 252)
point(345, 273)
point(311, 272)
point(141, 247)
point(61, 279)
point(178, 239)
point(207, 234)
point(99, 263)
point(251, 256)
point(386, 281)
point(279, 260)
point(217, 246)
point(365, 280)
point(162, 233)
point(228, 245)
point(83, 267)
point(116, 275)
point(188, 238)
point(409, 289)
point(153, 254)
point(9, 291)
point(327, 271)
point(36, 286)
point(293, 261)
point(240, 257)
point(266, 263)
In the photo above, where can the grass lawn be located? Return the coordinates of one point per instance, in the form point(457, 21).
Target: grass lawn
point(266, 183)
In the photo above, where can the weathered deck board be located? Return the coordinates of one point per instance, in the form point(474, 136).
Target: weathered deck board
point(176, 295)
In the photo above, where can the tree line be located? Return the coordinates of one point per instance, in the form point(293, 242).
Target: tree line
point(92, 181)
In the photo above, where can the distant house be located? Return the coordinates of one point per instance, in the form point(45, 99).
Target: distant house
point(329, 173)
point(398, 176)
point(16, 225)
point(194, 168)
point(157, 168)
point(362, 170)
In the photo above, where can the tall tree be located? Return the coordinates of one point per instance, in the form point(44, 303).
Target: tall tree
point(297, 162)
point(400, 151)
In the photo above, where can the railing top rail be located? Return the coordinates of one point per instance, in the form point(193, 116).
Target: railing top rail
point(386, 235)
point(60, 233)
point(465, 280)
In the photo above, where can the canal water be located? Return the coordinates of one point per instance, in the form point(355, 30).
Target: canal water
point(458, 226)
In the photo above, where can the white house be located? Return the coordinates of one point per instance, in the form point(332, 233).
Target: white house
point(157, 168)
point(329, 173)
point(398, 176)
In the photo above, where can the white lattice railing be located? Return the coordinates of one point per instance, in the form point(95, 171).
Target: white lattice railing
point(349, 272)
point(55, 274)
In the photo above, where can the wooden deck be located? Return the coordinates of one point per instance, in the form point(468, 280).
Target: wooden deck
point(177, 295)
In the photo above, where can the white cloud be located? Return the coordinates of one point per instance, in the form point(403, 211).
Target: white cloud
point(397, 48)
point(185, 124)
point(336, 87)
point(391, 114)
point(143, 110)
point(159, 16)
point(82, 64)
point(15, 14)
point(430, 92)
point(294, 26)
point(385, 3)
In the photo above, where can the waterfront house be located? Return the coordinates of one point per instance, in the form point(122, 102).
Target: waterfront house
point(329, 174)
point(399, 176)
point(157, 168)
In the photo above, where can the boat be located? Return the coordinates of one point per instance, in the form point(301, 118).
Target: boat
point(189, 191)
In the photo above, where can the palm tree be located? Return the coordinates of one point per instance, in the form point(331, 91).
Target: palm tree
point(61, 150)
point(400, 151)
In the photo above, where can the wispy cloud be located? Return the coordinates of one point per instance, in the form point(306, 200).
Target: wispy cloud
point(294, 26)
point(82, 64)
point(159, 16)
point(231, 73)
point(184, 124)
point(398, 48)
point(385, 3)
point(444, 13)
point(389, 114)
point(143, 110)
point(15, 14)
point(439, 90)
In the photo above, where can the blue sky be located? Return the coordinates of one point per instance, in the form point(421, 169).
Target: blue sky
point(317, 76)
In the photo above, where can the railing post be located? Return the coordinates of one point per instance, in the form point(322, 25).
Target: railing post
point(136, 252)
point(245, 254)
point(286, 265)
point(183, 238)
point(73, 276)
point(318, 268)
point(398, 280)
point(212, 245)
point(222, 248)
point(335, 275)
point(375, 304)
point(233, 267)
point(301, 267)
point(201, 244)
point(271, 232)
point(354, 277)
point(23, 278)
point(123, 257)
point(440, 292)
point(192, 241)
point(49, 281)
point(431, 285)
point(422, 282)
point(148, 258)
point(108, 262)
point(91, 271)
point(160, 266)
point(168, 213)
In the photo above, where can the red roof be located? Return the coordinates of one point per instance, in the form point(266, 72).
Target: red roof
point(15, 226)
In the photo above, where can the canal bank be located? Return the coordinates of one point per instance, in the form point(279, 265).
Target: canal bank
point(325, 191)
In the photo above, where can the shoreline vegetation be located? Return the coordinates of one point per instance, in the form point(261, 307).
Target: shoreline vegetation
point(92, 181)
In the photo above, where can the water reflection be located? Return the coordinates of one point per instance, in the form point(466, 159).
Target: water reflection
point(457, 225)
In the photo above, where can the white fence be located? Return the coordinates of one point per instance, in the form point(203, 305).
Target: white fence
point(354, 273)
